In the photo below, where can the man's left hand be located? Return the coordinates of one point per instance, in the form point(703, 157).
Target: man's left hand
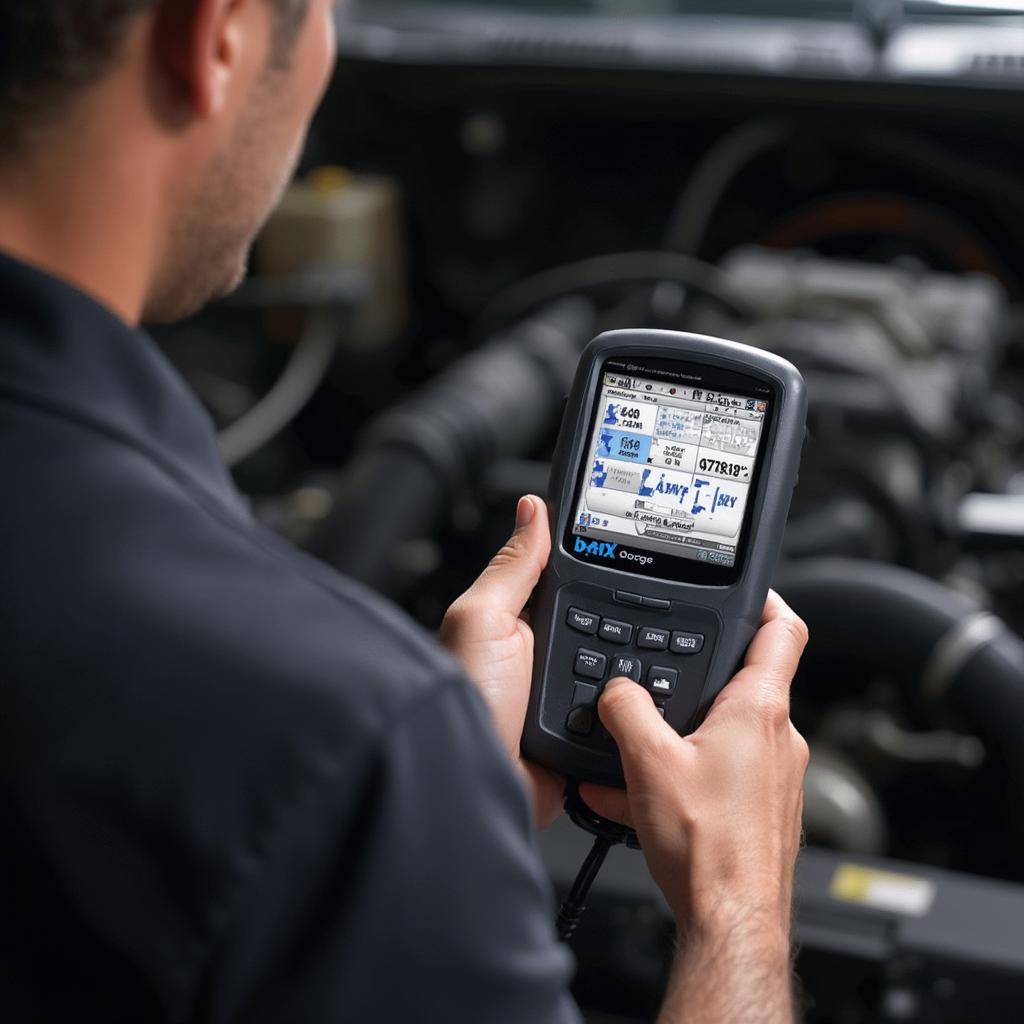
point(487, 631)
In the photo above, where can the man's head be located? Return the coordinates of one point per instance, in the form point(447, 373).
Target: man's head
point(212, 97)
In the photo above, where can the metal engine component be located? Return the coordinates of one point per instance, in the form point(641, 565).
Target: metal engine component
point(918, 344)
point(903, 369)
point(915, 313)
point(840, 807)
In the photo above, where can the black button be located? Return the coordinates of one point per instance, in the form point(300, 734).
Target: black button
point(616, 632)
point(662, 681)
point(590, 664)
point(661, 711)
point(628, 666)
point(584, 695)
point(659, 603)
point(652, 639)
point(582, 622)
point(580, 721)
point(687, 643)
point(626, 598)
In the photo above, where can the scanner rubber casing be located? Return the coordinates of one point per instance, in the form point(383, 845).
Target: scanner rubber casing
point(737, 607)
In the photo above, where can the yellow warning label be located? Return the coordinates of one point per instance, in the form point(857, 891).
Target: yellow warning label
point(883, 890)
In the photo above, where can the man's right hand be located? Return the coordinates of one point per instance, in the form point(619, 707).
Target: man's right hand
point(718, 815)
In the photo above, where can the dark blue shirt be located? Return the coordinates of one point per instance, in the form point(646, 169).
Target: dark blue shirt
point(235, 786)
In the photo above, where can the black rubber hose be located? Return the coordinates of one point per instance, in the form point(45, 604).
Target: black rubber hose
point(939, 642)
point(383, 502)
point(418, 458)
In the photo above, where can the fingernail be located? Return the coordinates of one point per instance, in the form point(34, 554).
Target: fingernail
point(525, 513)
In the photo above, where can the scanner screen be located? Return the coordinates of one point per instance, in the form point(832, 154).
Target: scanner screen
point(669, 468)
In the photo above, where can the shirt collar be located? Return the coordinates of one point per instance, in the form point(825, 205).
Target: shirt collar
point(62, 349)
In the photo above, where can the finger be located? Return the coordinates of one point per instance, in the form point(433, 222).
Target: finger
point(509, 580)
point(778, 646)
point(612, 804)
point(771, 661)
point(628, 712)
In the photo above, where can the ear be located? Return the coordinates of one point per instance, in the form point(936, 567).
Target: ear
point(209, 48)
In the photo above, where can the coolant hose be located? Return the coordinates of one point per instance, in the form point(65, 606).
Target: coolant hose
point(416, 460)
point(944, 644)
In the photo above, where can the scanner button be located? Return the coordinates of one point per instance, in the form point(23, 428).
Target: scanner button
point(584, 695)
point(628, 666)
point(580, 721)
point(652, 639)
point(687, 643)
point(658, 603)
point(590, 664)
point(582, 622)
point(623, 597)
point(616, 632)
point(662, 681)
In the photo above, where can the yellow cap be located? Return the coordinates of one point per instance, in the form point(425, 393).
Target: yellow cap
point(327, 180)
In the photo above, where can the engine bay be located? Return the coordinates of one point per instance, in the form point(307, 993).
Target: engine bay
point(391, 380)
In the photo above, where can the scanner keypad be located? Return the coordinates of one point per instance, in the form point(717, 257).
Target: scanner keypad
point(669, 658)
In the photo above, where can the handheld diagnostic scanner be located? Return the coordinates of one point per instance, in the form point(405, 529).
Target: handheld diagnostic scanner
point(670, 489)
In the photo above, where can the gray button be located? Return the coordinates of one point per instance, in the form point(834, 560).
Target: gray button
point(590, 664)
point(652, 639)
point(623, 597)
point(584, 695)
point(687, 643)
point(582, 622)
point(580, 721)
point(662, 681)
point(628, 666)
point(616, 632)
point(659, 603)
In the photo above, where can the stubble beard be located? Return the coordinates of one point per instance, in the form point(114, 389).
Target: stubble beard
point(209, 243)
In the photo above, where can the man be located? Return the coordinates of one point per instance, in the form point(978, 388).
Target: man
point(236, 787)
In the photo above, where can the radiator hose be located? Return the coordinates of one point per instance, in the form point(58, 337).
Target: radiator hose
point(416, 460)
point(950, 648)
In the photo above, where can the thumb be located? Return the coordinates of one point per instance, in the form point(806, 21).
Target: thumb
point(628, 712)
point(509, 580)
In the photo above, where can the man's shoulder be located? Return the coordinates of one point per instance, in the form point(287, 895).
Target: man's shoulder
point(146, 619)
point(186, 697)
point(141, 572)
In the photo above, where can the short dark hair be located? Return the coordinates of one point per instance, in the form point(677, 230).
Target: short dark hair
point(50, 49)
